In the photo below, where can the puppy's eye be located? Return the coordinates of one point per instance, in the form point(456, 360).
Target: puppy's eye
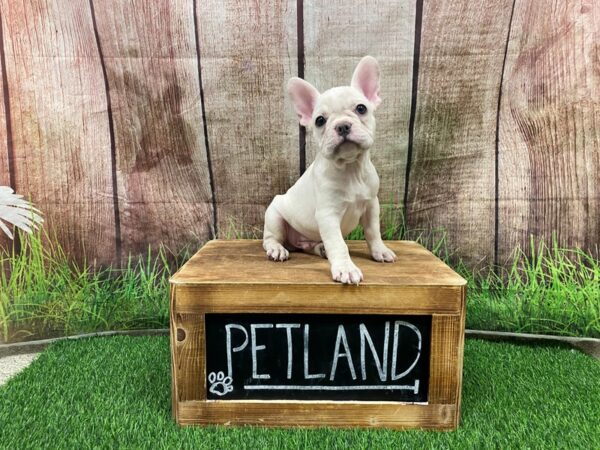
point(320, 121)
point(361, 109)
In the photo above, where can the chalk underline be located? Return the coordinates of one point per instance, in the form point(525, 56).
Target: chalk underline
point(281, 387)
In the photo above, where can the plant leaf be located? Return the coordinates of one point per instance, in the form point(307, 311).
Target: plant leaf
point(17, 211)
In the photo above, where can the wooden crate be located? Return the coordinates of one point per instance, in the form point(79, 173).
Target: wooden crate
point(233, 277)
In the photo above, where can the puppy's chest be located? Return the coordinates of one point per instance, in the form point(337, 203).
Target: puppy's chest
point(359, 192)
point(354, 211)
point(356, 200)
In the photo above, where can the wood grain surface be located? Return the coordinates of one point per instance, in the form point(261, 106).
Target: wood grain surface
point(444, 369)
point(317, 298)
point(4, 122)
point(108, 103)
point(318, 414)
point(244, 261)
point(188, 357)
point(452, 176)
point(5, 243)
point(164, 194)
point(173, 346)
point(59, 124)
point(549, 159)
point(248, 54)
point(336, 37)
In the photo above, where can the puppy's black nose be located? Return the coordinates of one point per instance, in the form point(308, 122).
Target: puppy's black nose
point(343, 129)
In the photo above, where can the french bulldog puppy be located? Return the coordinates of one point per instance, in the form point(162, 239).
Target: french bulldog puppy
point(339, 189)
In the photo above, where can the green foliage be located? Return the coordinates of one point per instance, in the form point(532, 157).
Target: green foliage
point(551, 290)
point(236, 229)
point(115, 393)
point(43, 293)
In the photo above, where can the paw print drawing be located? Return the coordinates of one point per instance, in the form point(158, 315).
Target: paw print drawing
point(219, 384)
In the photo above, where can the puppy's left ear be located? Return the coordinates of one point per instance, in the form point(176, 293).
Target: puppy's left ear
point(366, 79)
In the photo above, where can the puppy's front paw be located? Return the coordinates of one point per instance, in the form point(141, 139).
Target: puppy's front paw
point(346, 272)
point(276, 251)
point(383, 254)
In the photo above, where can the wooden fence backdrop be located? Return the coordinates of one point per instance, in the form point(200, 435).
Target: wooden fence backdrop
point(138, 122)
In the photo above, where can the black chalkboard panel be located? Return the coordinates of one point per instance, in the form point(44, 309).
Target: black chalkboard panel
point(317, 357)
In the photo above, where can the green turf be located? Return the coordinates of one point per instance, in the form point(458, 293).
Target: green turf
point(115, 393)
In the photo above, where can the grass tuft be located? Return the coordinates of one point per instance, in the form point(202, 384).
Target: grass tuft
point(43, 293)
point(551, 290)
point(234, 228)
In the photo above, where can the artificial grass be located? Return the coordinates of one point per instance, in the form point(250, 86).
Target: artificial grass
point(115, 393)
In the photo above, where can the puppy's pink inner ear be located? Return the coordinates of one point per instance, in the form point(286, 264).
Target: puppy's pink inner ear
point(366, 80)
point(304, 97)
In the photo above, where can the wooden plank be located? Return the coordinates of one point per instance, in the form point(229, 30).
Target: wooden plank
point(163, 179)
point(444, 371)
point(461, 354)
point(4, 121)
point(229, 276)
point(173, 347)
point(549, 160)
point(59, 122)
point(5, 243)
point(336, 38)
point(186, 333)
point(416, 266)
point(189, 366)
point(451, 180)
point(318, 414)
point(248, 54)
point(323, 299)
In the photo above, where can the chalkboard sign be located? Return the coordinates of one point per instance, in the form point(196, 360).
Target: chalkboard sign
point(317, 357)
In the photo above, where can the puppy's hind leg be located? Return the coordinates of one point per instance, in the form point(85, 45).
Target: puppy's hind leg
point(275, 234)
point(318, 250)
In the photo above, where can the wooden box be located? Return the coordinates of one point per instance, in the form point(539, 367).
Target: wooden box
point(280, 344)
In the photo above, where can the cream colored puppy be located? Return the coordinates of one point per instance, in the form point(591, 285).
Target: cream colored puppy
point(340, 187)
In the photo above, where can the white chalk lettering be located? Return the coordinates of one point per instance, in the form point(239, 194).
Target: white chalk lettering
point(255, 348)
point(397, 325)
point(308, 376)
point(378, 362)
point(239, 348)
point(341, 338)
point(381, 367)
point(288, 329)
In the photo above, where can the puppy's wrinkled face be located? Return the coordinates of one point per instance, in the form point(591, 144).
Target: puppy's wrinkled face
point(343, 123)
point(341, 118)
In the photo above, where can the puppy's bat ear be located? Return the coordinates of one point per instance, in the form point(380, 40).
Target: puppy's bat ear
point(366, 79)
point(304, 97)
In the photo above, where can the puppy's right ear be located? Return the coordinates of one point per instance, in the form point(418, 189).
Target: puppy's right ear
point(304, 97)
point(366, 79)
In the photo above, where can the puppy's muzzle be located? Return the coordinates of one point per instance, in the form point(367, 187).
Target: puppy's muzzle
point(343, 129)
